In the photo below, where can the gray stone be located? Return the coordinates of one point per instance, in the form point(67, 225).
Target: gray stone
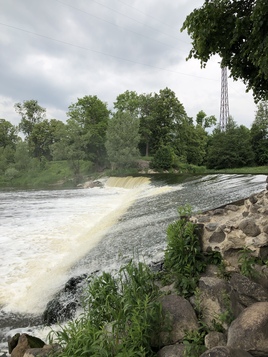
point(214, 339)
point(211, 227)
point(217, 237)
point(213, 298)
point(224, 351)
point(249, 331)
point(249, 227)
point(245, 292)
point(181, 316)
point(176, 350)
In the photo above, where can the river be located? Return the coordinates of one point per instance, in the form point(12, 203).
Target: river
point(48, 236)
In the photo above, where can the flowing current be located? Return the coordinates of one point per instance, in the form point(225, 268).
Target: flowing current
point(48, 236)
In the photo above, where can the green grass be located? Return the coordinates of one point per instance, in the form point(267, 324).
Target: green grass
point(255, 170)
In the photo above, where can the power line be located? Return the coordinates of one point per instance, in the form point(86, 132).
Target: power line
point(142, 23)
point(103, 53)
point(152, 17)
point(111, 23)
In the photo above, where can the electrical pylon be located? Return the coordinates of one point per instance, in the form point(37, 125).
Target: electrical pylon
point(224, 110)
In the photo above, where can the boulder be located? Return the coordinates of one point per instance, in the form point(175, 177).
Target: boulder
point(20, 343)
point(47, 350)
point(245, 292)
point(223, 351)
point(214, 339)
point(181, 316)
point(176, 350)
point(21, 346)
point(63, 306)
point(249, 331)
point(214, 293)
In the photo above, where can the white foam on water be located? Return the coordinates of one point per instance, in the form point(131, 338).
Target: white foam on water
point(44, 233)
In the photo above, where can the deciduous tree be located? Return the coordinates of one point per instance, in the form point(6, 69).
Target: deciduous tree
point(31, 113)
point(91, 115)
point(259, 134)
point(122, 139)
point(236, 30)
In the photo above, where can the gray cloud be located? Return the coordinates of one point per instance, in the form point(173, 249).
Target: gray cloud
point(56, 51)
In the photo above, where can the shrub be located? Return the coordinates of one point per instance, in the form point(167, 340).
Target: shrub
point(163, 158)
point(121, 316)
point(184, 258)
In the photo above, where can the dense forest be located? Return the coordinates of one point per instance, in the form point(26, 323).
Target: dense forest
point(153, 127)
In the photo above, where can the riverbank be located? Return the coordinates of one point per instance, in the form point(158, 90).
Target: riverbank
point(59, 174)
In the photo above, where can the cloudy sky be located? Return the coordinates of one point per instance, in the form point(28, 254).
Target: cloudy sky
point(56, 51)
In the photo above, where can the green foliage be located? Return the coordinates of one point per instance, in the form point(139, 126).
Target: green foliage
point(11, 173)
point(194, 343)
point(122, 140)
point(121, 316)
point(163, 158)
point(230, 148)
point(247, 263)
point(259, 134)
point(184, 259)
point(8, 134)
point(31, 114)
point(237, 32)
point(183, 255)
point(90, 115)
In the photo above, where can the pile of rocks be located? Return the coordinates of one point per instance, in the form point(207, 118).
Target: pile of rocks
point(235, 310)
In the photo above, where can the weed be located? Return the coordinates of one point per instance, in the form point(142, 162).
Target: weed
point(194, 343)
point(121, 316)
point(247, 263)
point(183, 255)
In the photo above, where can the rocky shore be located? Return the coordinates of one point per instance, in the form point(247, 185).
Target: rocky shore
point(231, 300)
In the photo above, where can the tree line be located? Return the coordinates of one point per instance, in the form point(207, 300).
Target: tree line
point(153, 125)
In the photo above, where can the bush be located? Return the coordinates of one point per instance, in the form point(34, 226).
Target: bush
point(11, 173)
point(163, 158)
point(184, 258)
point(121, 316)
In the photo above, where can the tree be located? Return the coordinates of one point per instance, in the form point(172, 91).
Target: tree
point(91, 115)
point(43, 135)
point(196, 147)
point(8, 134)
point(31, 114)
point(122, 139)
point(168, 121)
point(236, 30)
point(128, 101)
point(204, 121)
point(163, 158)
point(231, 148)
point(259, 134)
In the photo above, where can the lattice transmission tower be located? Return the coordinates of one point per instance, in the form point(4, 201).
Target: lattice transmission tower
point(224, 110)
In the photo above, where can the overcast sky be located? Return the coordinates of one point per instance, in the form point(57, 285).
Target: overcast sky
point(56, 51)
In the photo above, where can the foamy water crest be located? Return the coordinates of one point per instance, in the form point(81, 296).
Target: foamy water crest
point(43, 233)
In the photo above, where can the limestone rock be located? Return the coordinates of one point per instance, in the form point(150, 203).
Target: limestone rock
point(213, 295)
point(47, 350)
point(176, 350)
point(21, 347)
point(223, 351)
point(249, 227)
point(214, 339)
point(250, 330)
point(24, 342)
point(181, 316)
point(245, 292)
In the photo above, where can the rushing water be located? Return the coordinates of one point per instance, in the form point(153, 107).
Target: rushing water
point(46, 237)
